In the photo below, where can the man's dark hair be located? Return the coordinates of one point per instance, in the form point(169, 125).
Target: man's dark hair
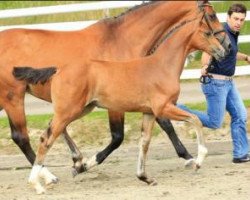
point(237, 8)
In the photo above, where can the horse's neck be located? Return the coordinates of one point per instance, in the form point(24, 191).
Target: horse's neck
point(142, 28)
point(171, 55)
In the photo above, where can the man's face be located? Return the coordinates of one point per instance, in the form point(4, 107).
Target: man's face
point(236, 21)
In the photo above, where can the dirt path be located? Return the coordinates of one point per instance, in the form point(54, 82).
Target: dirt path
point(115, 179)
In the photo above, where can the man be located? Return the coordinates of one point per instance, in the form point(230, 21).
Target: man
point(220, 90)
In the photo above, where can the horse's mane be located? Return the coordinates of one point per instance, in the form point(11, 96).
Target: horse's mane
point(135, 8)
point(117, 18)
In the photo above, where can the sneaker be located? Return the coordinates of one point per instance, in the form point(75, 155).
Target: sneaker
point(245, 158)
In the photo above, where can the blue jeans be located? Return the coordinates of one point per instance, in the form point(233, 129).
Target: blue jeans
point(222, 95)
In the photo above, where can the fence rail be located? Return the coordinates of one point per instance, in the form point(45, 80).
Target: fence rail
point(69, 26)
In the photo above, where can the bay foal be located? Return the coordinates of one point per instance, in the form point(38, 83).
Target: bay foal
point(150, 85)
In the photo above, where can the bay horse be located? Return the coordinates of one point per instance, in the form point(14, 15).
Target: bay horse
point(133, 34)
point(149, 85)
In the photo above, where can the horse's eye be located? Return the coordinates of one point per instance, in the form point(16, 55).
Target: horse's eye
point(212, 17)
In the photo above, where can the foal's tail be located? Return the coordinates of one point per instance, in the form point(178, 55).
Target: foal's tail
point(33, 76)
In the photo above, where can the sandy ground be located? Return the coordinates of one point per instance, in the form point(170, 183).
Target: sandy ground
point(115, 179)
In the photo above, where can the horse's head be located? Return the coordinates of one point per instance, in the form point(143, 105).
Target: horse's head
point(210, 35)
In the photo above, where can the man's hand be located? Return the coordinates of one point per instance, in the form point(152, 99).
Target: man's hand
point(204, 70)
point(248, 59)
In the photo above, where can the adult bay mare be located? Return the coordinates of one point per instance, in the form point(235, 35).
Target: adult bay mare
point(133, 34)
point(89, 85)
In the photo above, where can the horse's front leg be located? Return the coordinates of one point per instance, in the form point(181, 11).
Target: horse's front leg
point(116, 124)
point(147, 126)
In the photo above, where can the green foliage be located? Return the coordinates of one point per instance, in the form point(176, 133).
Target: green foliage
point(223, 6)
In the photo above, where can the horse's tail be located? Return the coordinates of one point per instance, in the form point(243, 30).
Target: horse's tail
point(33, 76)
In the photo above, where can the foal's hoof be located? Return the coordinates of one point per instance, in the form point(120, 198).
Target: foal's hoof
point(74, 172)
point(152, 182)
point(52, 181)
point(78, 170)
point(149, 181)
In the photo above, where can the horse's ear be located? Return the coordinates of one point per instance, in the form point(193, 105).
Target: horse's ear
point(201, 2)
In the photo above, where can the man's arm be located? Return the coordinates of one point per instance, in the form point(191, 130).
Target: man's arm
point(205, 60)
point(242, 56)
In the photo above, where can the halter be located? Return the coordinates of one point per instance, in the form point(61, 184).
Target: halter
point(206, 16)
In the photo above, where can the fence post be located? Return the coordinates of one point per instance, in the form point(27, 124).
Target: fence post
point(106, 13)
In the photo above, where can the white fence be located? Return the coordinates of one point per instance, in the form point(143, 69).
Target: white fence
point(69, 26)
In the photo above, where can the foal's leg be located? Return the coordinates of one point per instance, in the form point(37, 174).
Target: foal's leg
point(147, 126)
point(172, 112)
point(116, 123)
point(76, 154)
point(180, 149)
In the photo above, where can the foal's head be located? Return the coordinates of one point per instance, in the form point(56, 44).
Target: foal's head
point(210, 35)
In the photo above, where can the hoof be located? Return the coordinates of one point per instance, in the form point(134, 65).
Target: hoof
point(52, 181)
point(149, 181)
point(79, 169)
point(41, 191)
point(37, 186)
point(197, 167)
point(153, 182)
point(190, 163)
point(74, 172)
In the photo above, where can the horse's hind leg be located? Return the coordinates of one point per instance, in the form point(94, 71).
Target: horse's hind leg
point(116, 123)
point(180, 149)
point(147, 126)
point(18, 128)
point(19, 135)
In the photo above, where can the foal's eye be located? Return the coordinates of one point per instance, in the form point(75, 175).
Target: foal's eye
point(208, 34)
